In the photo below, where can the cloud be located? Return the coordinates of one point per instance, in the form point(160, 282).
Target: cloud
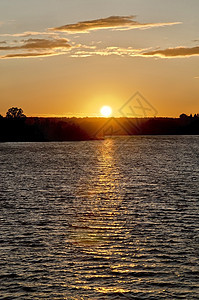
point(28, 55)
point(36, 48)
point(49, 43)
point(34, 44)
point(113, 22)
point(130, 51)
point(58, 46)
point(26, 34)
point(174, 52)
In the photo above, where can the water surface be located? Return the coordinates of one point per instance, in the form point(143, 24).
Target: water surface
point(112, 219)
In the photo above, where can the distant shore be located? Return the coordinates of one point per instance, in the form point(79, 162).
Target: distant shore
point(80, 129)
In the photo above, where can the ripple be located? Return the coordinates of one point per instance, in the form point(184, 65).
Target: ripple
point(90, 220)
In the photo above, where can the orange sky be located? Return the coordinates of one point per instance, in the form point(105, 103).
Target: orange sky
point(69, 58)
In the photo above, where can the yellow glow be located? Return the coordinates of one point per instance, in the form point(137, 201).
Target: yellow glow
point(106, 111)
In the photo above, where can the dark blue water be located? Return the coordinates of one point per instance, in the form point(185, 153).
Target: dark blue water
point(112, 219)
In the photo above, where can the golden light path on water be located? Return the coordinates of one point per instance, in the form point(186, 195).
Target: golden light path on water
point(96, 224)
point(98, 198)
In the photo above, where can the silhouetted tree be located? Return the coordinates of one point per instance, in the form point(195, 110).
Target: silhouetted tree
point(1, 117)
point(183, 116)
point(15, 113)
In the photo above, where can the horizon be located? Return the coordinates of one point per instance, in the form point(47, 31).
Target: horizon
point(103, 117)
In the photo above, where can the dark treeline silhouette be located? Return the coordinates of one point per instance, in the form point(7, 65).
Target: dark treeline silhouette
point(15, 126)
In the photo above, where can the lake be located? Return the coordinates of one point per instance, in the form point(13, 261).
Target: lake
point(110, 219)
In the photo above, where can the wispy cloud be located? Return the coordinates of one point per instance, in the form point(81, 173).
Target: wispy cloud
point(33, 44)
point(49, 43)
point(58, 46)
point(142, 52)
point(28, 55)
point(27, 34)
point(174, 52)
point(36, 48)
point(113, 22)
point(130, 51)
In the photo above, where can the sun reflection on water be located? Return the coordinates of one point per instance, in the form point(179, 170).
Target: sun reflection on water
point(95, 221)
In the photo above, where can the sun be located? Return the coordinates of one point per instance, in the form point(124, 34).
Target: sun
point(106, 111)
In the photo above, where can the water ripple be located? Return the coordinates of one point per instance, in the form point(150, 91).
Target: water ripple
point(112, 219)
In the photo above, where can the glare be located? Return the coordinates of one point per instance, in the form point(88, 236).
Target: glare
point(106, 111)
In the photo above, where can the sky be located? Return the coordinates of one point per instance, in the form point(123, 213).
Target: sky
point(71, 57)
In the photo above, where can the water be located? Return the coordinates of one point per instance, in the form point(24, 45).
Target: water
point(112, 219)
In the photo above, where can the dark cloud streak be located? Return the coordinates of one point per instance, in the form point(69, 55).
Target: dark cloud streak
point(26, 55)
point(34, 44)
point(113, 22)
point(174, 52)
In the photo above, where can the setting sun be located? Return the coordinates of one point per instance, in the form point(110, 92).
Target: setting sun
point(106, 111)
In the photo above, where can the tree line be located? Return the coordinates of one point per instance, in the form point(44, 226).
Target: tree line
point(16, 126)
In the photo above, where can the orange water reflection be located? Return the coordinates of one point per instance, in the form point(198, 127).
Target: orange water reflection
point(98, 201)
